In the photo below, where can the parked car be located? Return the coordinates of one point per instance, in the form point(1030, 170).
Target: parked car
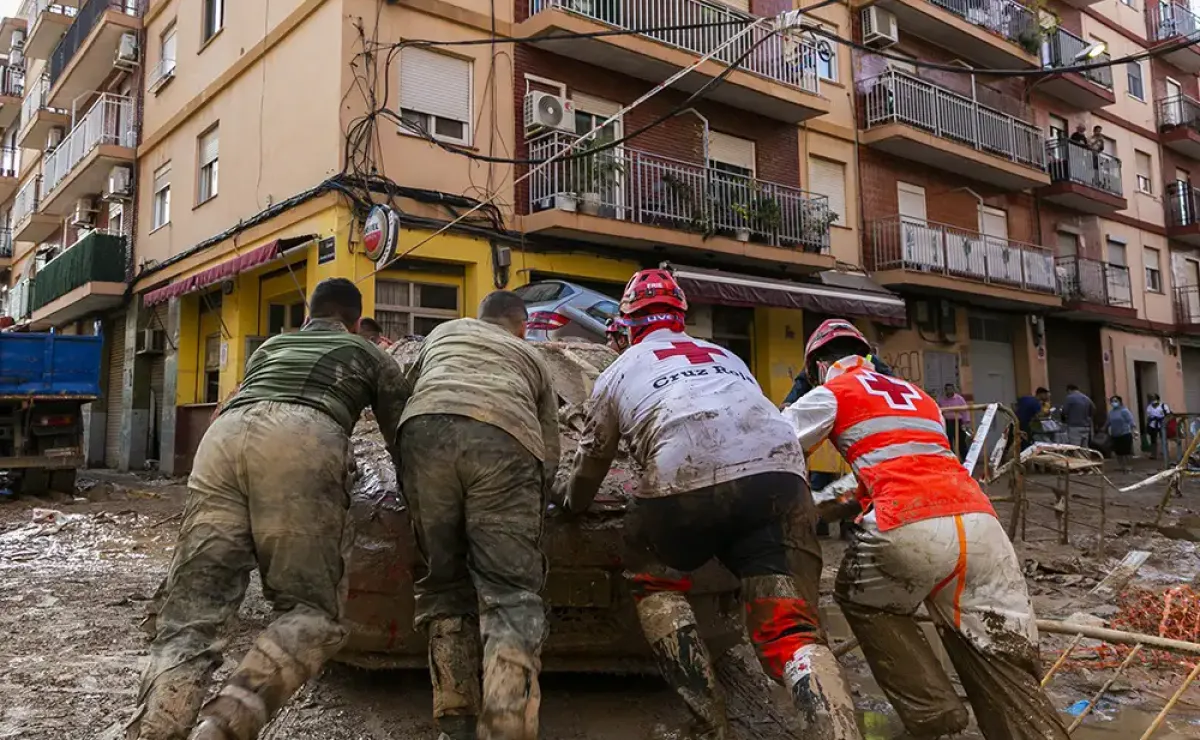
point(562, 311)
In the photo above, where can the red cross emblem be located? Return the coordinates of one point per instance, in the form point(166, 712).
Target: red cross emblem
point(694, 353)
point(898, 393)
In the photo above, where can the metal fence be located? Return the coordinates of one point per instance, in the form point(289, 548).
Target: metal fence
point(1182, 204)
point(1062, 50)
point(1073, 162)
point(1168, 20)
point(1007, 18)
point(87, 18)
point(12, 81)
point(641, 187)
point(1187, 304)
point(898, 97)
point(785, 58)
point(110, 121)
point(925, 246)
point(36, 101)
point(1094, 281)
point(1179, 110)
point(26, 201)
point(6, 242)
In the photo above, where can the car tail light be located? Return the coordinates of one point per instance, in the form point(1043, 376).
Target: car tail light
point(546, 321)
point(61, 420)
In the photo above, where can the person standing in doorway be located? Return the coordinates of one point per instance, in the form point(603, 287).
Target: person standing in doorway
point(1120, 428)
point(1077, 413)
point(1029, 408)
point(1156, 420)
point(956, 421)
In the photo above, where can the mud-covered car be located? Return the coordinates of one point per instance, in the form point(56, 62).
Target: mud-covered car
point(593, 626)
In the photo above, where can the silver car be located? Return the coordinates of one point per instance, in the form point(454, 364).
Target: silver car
point(559, 311)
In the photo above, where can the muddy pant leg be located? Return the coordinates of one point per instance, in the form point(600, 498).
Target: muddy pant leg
point(986, 621)
point(204, 587)
point(883, 578)
point(298, 467)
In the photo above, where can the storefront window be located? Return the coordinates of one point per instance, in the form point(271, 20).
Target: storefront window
point(404, 309)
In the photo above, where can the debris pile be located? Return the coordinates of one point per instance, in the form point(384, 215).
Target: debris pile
point(75, 542)
point(1173, 613)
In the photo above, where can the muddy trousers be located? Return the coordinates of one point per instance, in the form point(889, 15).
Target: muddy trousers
point(269, 488)
point(762, 528)
point(477, 501)
point(965, 571)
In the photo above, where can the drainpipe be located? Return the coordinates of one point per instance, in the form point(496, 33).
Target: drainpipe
point(977, 197)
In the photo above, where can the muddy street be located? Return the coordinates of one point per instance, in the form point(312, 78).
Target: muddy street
point(76, 576)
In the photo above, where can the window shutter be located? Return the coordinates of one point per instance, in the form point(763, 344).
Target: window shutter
point(168, 46)
point(162, 177)
point(435, 84)
point(595, 106)
point(732, 150)
point(829, 179)
point(210, 145)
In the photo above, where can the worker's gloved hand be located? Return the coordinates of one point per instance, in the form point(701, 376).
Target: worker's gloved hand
point(559, 488)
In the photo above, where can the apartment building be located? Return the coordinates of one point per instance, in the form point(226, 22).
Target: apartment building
point(1030, 258)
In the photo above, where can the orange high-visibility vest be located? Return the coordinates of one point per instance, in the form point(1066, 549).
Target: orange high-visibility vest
point(894, 437)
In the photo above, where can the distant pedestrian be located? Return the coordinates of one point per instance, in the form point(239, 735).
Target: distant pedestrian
point(957, 422)
point(1120, 428)
point(1028, 409)
point(1156, 416)
point(1077, 413)
point(1080, 136)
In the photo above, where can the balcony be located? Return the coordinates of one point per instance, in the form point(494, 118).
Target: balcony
point(12, 87)
point(46, 23)
point(778, 77)
point(1183, 213)
point(1179, 125)
point(1082, 179)
point(7, 27)
point(1095, 289)
point(911, 118)
point(6, 247)
point(1002, 34)
point(634, 199)
point(942, 259)
point(1173, 25)
point(86, 54)
point(80, 165)
point(87, 277)
point(1187, 308)
point(37, 118)
point(28, 223)
point(1088, 90)
point(10, 164)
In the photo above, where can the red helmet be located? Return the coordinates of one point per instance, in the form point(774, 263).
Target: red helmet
point(829, 331)
point(655, 288)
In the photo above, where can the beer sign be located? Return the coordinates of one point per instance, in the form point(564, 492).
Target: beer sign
point(381, 231)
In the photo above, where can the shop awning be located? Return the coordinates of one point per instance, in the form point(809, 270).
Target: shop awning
point(227, 269)
point(839, 294)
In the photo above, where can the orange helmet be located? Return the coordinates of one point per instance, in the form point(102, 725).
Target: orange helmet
point(831, 330)
point(656, 287)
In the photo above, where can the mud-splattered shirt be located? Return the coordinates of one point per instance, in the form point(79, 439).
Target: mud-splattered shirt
point(692, 414)
point(471, 368)
point(327, 368)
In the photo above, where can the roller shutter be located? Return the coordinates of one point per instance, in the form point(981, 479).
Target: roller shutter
point(115, 336)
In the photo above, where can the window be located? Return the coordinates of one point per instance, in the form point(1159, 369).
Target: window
point(1134, 70)
point(1058, 128)
point(212, 368)
point(285, 318)
point(435, 95)
point(1128, 3)
point(731, 154)
point(404, 309)
point(116, 217)
point(166, 64)
point(214, 19)
point(1153, 259)
point(828, 178)
point(209, 148)
point(1145, 182)
point(827, 68)
point(1116, 253)
point(162, 197)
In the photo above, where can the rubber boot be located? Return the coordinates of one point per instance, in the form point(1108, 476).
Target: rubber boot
point(670, 626)
point(820, 693)
point(454, 664)
point(168, 707)
point(511, 694)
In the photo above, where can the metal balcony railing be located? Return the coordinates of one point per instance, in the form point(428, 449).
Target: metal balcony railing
point(1072, 162)
point(1187, 304)
point(31, 10)
point(35, 100)
point(110, 121)
point(97, 257)
point(163, 71)
point(6, 241)
point(784, 58)
point(645, 188)
point(1179, 110)
point(898, 97)
point(10, 161)
point(1006, 18)
point(89, 15)
point(1093, 281)
point(1168, 20)
point(12, 81)
point(1183, 204)
point(1062, 50)
point(25, 204)
point(902, 243)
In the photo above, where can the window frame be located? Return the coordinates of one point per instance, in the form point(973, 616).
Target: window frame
point(1145, 183)
point(208, 173)
point(165, 192)
point(1154, 285)
point(170, 33)
point(834, 60)
point(1141, 80)
point(212, 20)
point(413, 310)
point(429, 120)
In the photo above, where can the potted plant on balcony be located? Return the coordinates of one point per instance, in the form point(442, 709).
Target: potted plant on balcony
point(596, 174)
point(815, 219)
point(682, 202)
point(746, 217)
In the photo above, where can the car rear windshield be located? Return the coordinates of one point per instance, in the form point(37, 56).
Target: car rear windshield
point(541, 292)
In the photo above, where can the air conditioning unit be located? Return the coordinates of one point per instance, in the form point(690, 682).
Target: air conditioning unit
point(84, 215)
point(546, 112)
point(127, 50)
point(18, 39)
point(120, 183)
point(151, 342)
point(54, 138)
point(879, 27)
point(16, 57)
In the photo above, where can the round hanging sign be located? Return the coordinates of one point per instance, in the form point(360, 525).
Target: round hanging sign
point(380, 233)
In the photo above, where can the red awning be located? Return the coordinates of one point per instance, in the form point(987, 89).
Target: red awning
point(227, 269)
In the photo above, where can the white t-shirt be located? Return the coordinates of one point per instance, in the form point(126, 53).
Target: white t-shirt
point(692, 414)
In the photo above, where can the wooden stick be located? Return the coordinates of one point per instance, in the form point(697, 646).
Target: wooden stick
point(1162, 716)
point(1117, 636)
point(845, 647)
point(1100, 694)
point(1061, 659)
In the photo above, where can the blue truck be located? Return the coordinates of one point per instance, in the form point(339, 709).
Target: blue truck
point(45, 381)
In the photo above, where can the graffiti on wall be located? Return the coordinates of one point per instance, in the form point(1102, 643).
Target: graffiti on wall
point(905, 365)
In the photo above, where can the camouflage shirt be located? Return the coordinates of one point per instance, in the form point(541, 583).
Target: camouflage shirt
point(327, 368)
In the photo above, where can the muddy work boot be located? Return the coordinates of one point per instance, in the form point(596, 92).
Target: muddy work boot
point(170, 703)
point(454, 664)
point(821, 695)
point(511, 695)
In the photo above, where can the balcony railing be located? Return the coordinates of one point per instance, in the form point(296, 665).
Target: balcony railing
point(1072, 162)
point(163, 71)
point(25, 203)
point(1179, 110)
point(97, 257)
point(901, 243)
point(1187, 304)
point(784, 58)
point(1183, 204)
point(1063, 49)
point(6, 242)
point(1006, 18)
point(36, 100)
point(1093, 281)
point(10, 161)
point(110, 121)
point(646, 188)
point(898, 97)
point(12, 81)
point(1168, 20)
point(31, 10)
point(89, 15)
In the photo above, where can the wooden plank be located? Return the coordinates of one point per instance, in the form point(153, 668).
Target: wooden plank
point(1122, 574)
